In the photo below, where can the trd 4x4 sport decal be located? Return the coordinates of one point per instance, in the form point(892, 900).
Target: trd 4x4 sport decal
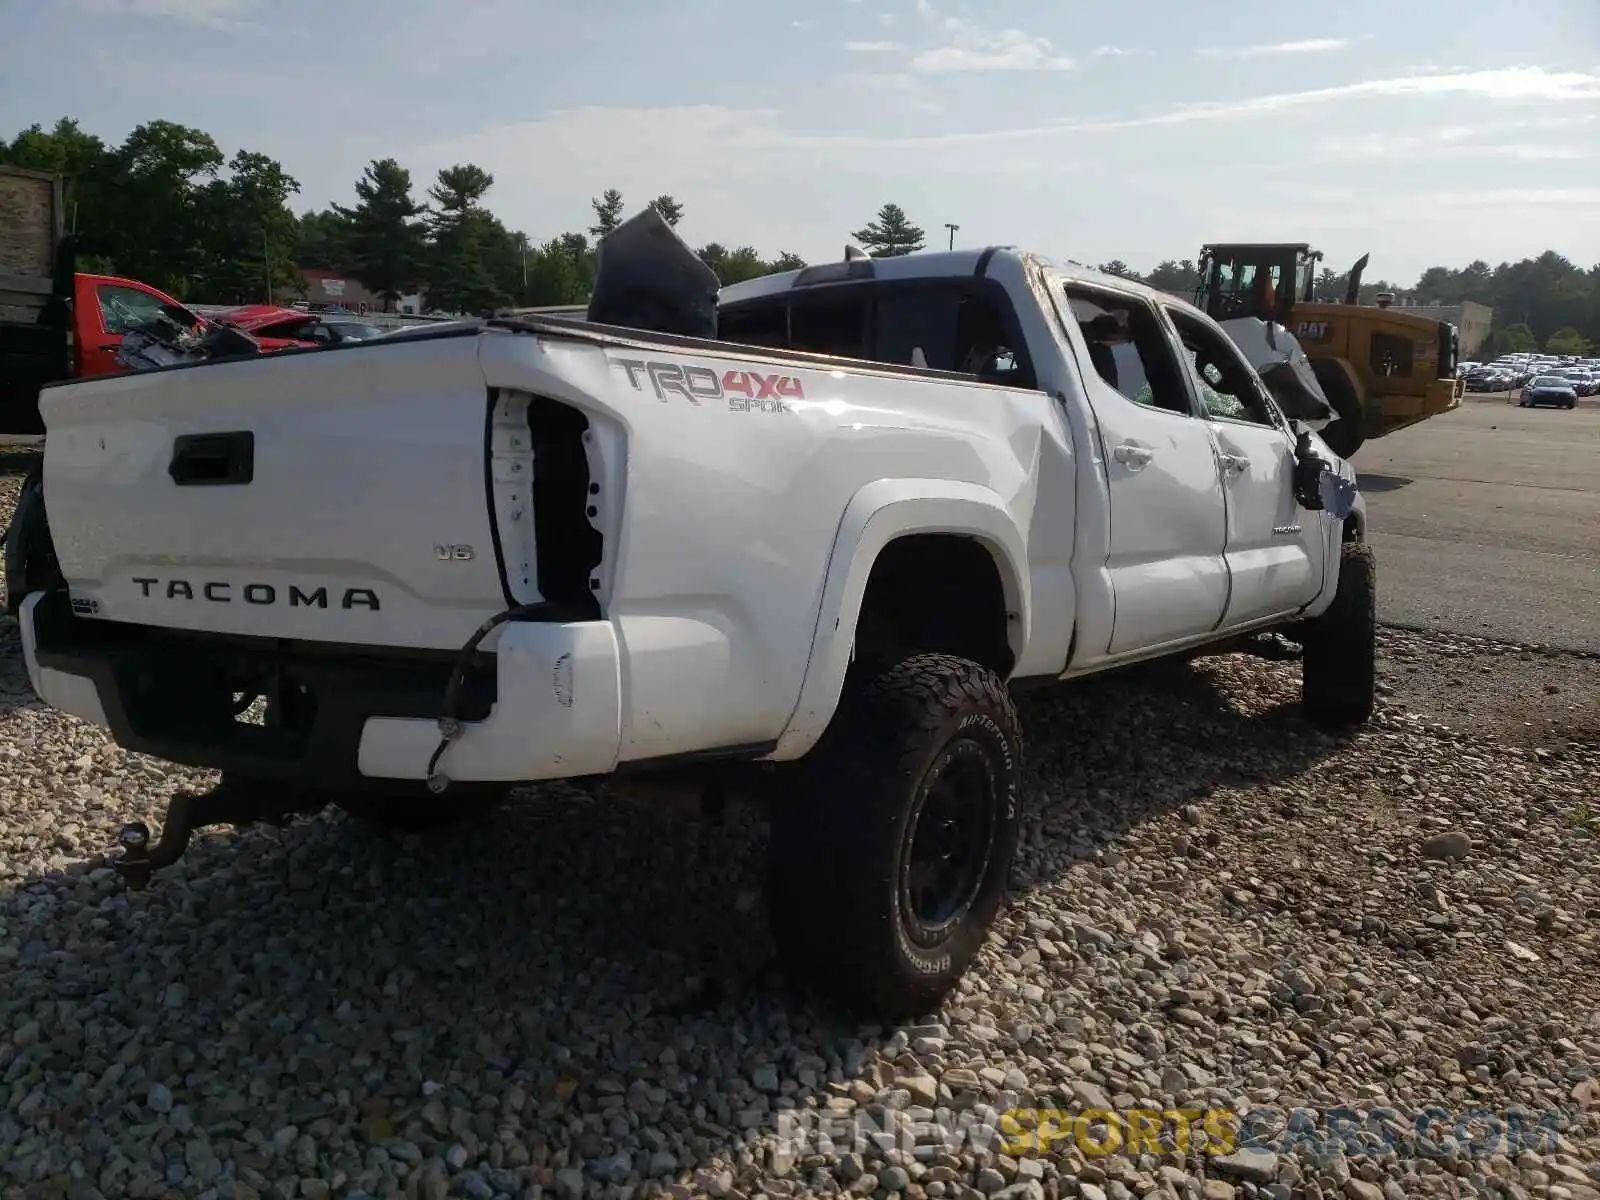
point(745, 391)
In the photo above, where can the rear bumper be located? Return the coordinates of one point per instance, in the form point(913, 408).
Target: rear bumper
point(544, 703)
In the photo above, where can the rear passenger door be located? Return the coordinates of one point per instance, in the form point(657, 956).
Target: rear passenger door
point(1168, 532)
point(1276, 549)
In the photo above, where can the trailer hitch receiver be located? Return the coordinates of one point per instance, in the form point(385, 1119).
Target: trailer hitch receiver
point(237, 802)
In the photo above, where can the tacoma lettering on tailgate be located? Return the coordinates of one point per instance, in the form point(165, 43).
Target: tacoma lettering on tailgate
point(222, 592)
point(744, 391)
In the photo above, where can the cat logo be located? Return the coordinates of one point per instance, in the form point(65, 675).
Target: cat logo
point(1312, 331)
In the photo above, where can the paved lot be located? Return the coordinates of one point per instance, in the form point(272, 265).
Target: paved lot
point(1487, 521)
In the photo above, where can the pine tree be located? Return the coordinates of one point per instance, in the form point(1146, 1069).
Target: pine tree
point(468, 243)
point(891, 234)
point(385, 240)
point(607, 213)
point(671, 211)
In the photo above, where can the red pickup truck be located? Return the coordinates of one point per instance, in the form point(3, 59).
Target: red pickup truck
point(104, 308)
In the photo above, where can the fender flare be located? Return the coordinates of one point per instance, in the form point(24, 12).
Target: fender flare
point(1358, 518)
point(877, 514)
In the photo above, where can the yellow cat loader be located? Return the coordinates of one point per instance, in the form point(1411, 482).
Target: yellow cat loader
point(1380, 367)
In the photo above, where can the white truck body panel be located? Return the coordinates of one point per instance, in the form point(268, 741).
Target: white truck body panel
point(741, 497)
point(337, 439)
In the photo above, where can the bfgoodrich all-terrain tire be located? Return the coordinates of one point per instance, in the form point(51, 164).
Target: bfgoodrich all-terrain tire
point(1340, 668)
point(891, 844)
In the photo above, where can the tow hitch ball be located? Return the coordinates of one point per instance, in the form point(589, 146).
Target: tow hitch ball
point(232, 802)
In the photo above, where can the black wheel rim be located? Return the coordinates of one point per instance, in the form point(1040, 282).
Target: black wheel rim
point(948, 841)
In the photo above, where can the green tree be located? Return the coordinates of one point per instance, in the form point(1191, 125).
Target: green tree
point(607, 212)
point(560, 272)
point(1175, 275)
point(1513, 339)
point(156, 219)
point(786, 261)
point(734, 266)
point(470, 249)
point(323, 240)
point(1118, 268)
point(891, 234)
point(250, 234)
point(671, 211)
point(740, 264)
point(1566, 341)
point(385, 242)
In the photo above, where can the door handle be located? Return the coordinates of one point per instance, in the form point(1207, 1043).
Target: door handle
point(210, 459)
point(1132, 454)
point(1234, 464)
point(110, 345)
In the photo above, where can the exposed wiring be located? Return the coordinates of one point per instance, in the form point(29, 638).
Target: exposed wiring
point(449, 721)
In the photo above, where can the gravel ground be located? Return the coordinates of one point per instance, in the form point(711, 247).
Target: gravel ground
point(1531, 696)
point(1215, 906)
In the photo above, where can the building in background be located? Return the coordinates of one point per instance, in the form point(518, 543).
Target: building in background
point(1471, 319)
point(331, 288)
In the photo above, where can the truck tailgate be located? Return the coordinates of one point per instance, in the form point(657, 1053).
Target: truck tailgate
point(336, 495)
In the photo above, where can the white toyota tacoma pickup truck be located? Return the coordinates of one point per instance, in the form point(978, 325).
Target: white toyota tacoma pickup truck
point(523, 549)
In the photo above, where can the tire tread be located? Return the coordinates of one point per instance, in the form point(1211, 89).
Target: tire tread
point(835, 832)
point(1340, 664)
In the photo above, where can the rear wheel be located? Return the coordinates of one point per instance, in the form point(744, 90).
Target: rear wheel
point(891, 845)
point(1339, 681)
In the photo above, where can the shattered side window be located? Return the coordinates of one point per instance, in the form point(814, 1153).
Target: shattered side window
point(1218, 404)
point(1223, 378)
point(123, 309)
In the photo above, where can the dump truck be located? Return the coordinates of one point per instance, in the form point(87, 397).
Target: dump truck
point(1381, 368)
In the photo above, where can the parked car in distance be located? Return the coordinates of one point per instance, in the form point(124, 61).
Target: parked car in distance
point(1584, 380)
point(1553, 390)
point(1488, 379)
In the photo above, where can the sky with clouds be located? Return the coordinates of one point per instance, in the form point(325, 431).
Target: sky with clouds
point(1423, 131)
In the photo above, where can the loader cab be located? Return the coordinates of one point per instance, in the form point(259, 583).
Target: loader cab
point(1263, 280)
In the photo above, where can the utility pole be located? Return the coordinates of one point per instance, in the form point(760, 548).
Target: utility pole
point(266, 258)
point(952, 229)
